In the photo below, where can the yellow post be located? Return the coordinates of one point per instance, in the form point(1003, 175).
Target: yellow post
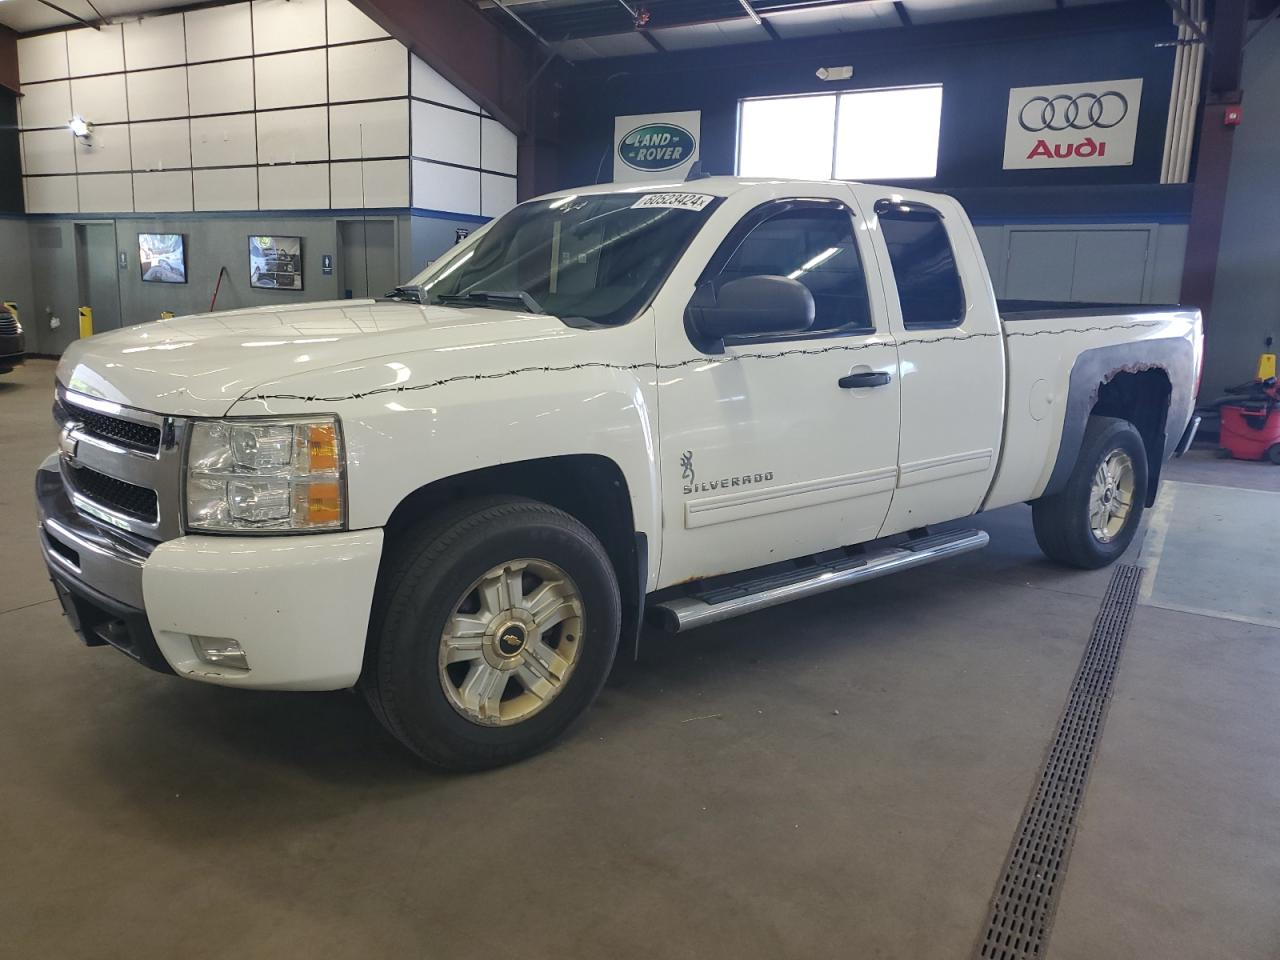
point(86, 322)
point(166, 314)
point(1266, 366)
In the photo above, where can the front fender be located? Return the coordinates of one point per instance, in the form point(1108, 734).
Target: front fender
point(409, 421)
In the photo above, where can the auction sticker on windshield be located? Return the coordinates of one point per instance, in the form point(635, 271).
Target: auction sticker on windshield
point(674, 201)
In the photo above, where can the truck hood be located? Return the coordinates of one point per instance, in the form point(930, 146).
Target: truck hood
point(200, 365)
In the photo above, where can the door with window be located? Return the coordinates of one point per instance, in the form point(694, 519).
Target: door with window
point(952, 353)
point(777, 445)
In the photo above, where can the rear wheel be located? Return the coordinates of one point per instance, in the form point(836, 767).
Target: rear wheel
point(1273, 453)
point(495, 627)
point(1094, 518)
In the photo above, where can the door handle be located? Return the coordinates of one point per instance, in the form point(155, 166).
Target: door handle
point(872, 378)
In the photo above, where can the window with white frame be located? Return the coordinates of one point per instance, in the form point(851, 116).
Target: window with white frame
point(887, 134)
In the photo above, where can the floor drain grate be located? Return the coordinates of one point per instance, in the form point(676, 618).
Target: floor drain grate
point(1027, 894)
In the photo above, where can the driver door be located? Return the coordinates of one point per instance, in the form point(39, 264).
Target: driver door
point(780, 445)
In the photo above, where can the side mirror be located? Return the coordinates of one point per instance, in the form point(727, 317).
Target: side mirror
point(752, 305)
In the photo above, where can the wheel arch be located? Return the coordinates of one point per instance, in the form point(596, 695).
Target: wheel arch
point(1139, 382)
point(592, 488)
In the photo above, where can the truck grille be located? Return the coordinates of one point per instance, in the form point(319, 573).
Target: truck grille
point(127, 433)
point(126, 498)
point(122, 460)
point(8, 325)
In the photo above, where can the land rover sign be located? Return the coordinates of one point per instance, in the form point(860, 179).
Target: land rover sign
point(655, 146)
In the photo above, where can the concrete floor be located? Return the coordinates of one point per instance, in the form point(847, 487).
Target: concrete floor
point(854, 789)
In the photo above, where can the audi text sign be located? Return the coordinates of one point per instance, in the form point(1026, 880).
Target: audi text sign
point(1072, 125)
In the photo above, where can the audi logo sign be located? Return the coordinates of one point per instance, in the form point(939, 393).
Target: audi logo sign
point(1072, 125)
point(1081, 112)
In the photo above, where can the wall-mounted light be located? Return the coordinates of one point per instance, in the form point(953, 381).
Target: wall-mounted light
point(81, 128)
point(834, 73)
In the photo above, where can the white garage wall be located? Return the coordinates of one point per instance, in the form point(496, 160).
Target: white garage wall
point(264, 105)
point(459, 151)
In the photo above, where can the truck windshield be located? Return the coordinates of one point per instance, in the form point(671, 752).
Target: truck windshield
point(597, 258)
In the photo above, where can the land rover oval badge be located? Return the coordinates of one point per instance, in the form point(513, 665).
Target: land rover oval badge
point(656, 146)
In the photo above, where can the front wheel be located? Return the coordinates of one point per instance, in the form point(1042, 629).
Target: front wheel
point(495, 627)
point(1094, 518)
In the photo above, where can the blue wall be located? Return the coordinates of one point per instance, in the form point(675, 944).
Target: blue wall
point(975, 61)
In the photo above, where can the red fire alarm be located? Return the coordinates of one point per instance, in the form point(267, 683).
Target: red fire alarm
point(1231, 116)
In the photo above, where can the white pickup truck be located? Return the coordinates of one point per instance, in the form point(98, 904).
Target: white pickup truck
point(687, 401)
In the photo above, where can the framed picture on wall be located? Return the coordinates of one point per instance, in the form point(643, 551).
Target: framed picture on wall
point(275, 263)
point(162, 257)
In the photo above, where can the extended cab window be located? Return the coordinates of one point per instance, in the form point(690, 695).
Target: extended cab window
point(816, 247)
point(924, 266)
point(597, 257)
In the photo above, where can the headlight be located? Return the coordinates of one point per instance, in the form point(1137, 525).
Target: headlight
point(267, 475)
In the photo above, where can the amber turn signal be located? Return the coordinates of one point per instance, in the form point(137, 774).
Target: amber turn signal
point(322, 446)
point(324, 503)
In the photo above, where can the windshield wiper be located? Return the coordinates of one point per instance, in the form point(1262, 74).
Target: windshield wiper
point(493, 296)
point(410, 292)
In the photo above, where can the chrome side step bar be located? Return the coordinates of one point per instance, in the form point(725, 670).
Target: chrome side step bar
point(685, 613)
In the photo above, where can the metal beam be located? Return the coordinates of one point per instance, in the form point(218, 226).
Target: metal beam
point(479, 58)
point(639, 20)
point(96, 12)
point(759, 20)
point(9, 59)
point(67, 13)
point(465, 47)
point(1213, 154)
point(1180, 14)
point(653, 41)
point(901, 9)
point(523, 24)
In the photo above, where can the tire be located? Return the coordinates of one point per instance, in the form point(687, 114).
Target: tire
point(1273, 453)
point(1064, 526)
point(473, 714)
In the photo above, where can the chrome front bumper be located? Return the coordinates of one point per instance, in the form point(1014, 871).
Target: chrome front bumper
point(298, 606)
point(96, 571)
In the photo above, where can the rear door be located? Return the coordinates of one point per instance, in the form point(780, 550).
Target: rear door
point(765, 456)
point(951, 348)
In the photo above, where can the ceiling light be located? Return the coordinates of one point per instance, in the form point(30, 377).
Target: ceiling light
point(81, 127)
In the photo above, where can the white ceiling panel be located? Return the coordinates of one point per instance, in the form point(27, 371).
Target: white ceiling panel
point(120, 9)
point(872, 15)
point(718, 34)
point(575, 50)
point(939, 11)
point(25, 16)
point(613, 45)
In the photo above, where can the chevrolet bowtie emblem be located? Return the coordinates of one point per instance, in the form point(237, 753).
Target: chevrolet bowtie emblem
point(67, 441)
